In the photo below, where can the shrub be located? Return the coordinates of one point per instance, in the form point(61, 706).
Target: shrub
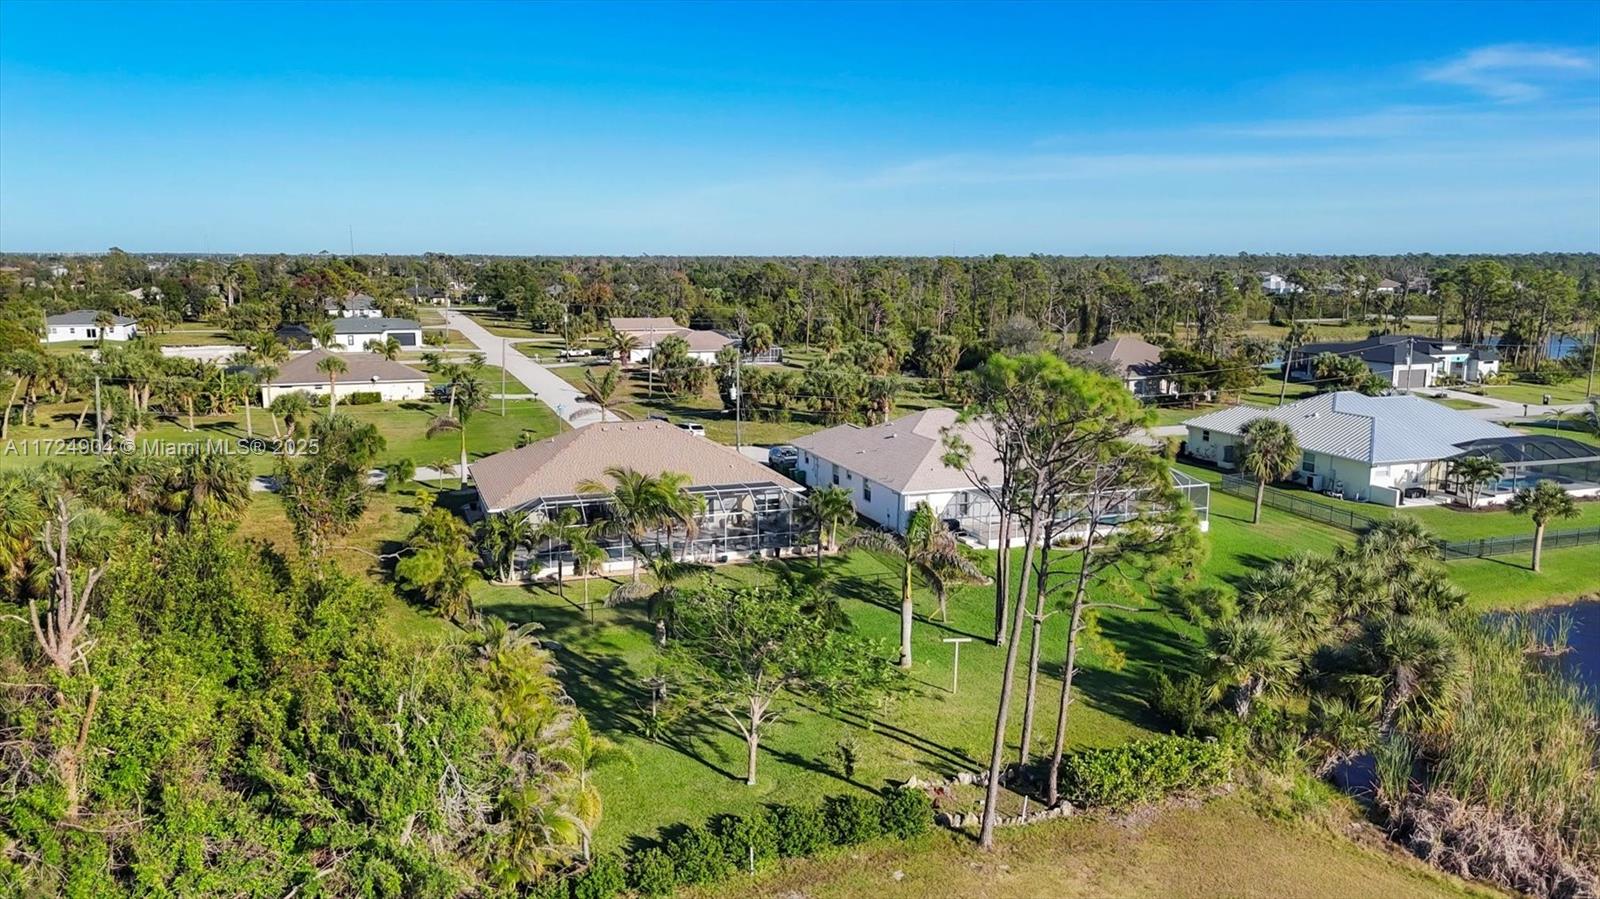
point(556, 887)
point(602, 880)
point(363, 398)
point(650, 873)
point(698, 857)
point(852, 819)
point(1144, 771)
point(744, 838)
point(905, 813)
point(801, 830)
point(1183, 702)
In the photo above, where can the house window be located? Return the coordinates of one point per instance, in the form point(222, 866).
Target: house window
point(835, 475)
point(1227, 454)
point(1205, 436)
point(866, 490)
point(1308, 463)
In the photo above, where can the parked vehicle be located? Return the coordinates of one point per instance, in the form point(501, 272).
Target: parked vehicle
point(784, 456)
point(574, 354)
point(697, 430)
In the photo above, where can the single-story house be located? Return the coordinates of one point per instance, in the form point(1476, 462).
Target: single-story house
point(888, 469)
point(644, 325)
point(1387, 286)
point(423, 293)
point(1135, 361)
point(356, 332)
point(1406, 360)
point(85, 324)
point(1276, 285)
point(1365, 448)
point(649, 332)
point(748, 511)
point(355, 305)
point(364, 373)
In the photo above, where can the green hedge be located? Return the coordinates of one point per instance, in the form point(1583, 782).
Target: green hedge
point(1144, 771)
point(728, 844)
point(363, 398)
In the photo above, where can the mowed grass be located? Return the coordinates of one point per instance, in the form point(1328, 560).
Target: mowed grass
point(1569, 391)
point(1222, 849)
point(404, 427)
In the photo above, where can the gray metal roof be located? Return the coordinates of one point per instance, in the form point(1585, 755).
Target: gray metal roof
point(359, 325)
point(1375, 429)
point(85, 317)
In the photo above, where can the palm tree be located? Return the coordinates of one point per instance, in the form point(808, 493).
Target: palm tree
point(295, 410)
point(601, 391)
point(580, 753)
point(397, 473)
point(444, 424)
point(679, 508)
point(925, 549)
point(206, 486)
point(587, 559)
point(322, 334)
point(636, 507)
point(1270, 454)
point(1412, 666)
point(621, 347)
point(758, 339)
point(1247, 657)
point(1543, 502)
point(389, 348)
point(1472, 472)
point(333, 367)
point(500, 536)
point(826, 509)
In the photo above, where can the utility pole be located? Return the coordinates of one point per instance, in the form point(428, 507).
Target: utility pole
point(1594, 340)
point(1288, 358)
point(738, 406)
point(503, 342)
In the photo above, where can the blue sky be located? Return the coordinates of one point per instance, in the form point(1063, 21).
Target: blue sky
point(819, 129)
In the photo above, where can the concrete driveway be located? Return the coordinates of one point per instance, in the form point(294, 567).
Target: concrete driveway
point(546, 385)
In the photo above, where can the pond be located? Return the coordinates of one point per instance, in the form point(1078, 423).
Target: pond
point(1583, 636)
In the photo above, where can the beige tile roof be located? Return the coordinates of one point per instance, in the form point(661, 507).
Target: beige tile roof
point(698, 341)
point(1123, 354)
point(644, 325)
point(369, 367)
point(555, 467)
point(907, 454)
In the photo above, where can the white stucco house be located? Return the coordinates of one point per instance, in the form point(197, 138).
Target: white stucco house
point(356, 332)
point(365, 373)
point(889, 468)
point(1365, 448)
point(1274, 284)
point(650, 332)
point(85, 324)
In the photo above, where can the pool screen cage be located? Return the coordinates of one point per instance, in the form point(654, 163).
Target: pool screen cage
point(737, 521)
point(1524, 461)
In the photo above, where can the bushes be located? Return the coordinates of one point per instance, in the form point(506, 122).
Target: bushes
point(729, 844)
point(650, 872)
point(604, 879)
point(852, 819)
point(1143, 771)
point(362, 398)
point(802, 831)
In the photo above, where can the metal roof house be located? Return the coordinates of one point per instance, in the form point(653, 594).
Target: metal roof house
point(89, 324)
point(748, 508)
point(356, 305)
point(1365, 448)
point(889, 468)
point(356, 332)
point(1406, 360)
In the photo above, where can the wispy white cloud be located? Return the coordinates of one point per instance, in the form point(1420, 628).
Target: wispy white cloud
point(1512, 72)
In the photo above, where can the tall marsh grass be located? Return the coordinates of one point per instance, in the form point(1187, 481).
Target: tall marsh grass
point(1524, 740)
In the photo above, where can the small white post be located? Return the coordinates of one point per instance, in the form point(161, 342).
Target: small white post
point(955, 668)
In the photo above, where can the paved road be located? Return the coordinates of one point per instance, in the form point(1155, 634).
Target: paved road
point(546, 385)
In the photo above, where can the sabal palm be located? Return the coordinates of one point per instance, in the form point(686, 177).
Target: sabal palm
point(445, 424)
point(1543, 502)
point(1296, 592)
point(500, 536)
point(1414, 666)
point(1247, 657)
point(206, 486)
point(926, 550)
point(295, 410)
point(388, 348)
point(621, 346)
point(1270, 454)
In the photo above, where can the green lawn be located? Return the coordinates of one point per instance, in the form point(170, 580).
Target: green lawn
point(1226, 848)
point(491, 376)
point(1263, 394)
point(1451, 402)
point(1571, 391)
point(403, 425)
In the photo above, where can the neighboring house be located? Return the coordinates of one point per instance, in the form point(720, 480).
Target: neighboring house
point(649, 332)
point(1277, 285)
point(749, 509)
point(1365, 448)
point(432, 296)
point(1387, 286)
point(365, 373)
point(84, 324)
point(1406, 360)
point(143, 293)
point(356, 305)
point(1135, 361)
point(213, 352)
point(888, 469)
point(356, 332)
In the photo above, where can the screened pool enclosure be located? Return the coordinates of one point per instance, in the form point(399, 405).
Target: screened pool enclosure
point(1524, 461)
